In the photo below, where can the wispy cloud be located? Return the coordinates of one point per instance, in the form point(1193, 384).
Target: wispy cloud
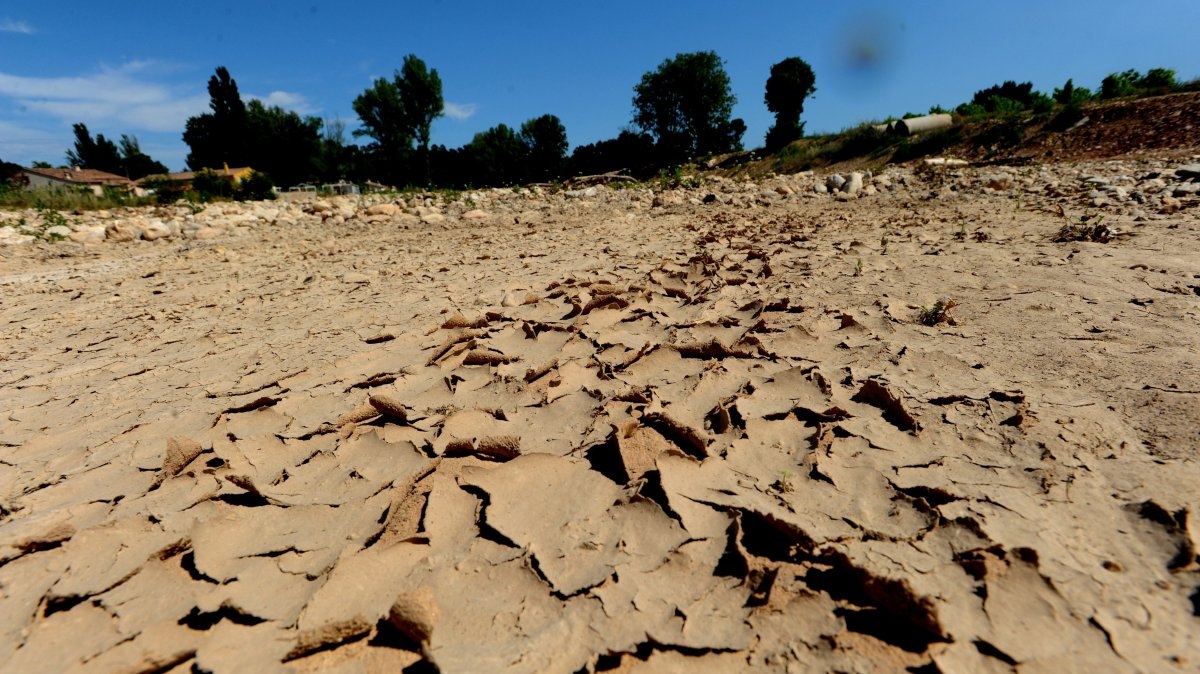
point(8, 25)
point(460, 111)
point(122, 97)
point(288, 101)
point(23, 144)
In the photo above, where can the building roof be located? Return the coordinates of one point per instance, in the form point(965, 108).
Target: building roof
point(186, 176)
point(80, 176)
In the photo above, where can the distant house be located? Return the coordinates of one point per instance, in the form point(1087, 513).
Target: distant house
point(75, 178)
point(233, 175)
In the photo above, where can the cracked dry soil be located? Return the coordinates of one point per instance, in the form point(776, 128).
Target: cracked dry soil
point(608, 437)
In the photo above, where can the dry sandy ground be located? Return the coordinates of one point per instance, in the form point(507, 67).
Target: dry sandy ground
point(593, 435)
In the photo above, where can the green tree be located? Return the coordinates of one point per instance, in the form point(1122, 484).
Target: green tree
point(421, 94)
point(99, 153)
point(282, 144)
point(791, 82)
point(399, 112)
point(545, 140)
point(219, 137)
point(686, 105)
point(497, 157)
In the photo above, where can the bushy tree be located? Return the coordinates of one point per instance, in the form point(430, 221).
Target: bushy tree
point(545, 140)
point(282, 144)
point(685, 104)
point(219, 137)
point(497, 157)
point(399, 112)
point(791, 82)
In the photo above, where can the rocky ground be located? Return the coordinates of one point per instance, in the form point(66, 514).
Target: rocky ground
point(939, 419)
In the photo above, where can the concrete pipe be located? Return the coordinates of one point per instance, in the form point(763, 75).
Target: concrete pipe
point(908, 127)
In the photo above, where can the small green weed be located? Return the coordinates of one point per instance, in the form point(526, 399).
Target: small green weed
point(938, 314)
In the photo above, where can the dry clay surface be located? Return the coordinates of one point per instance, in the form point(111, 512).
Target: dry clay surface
point(613, 431)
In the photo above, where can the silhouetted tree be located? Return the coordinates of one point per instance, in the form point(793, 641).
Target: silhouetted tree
point(631, 152)
point(995, 98)
point(100, 153)
point(399, 112)
point(497, 157)
point(545, 140)
point(219, 137)
point(281, 144)
point(791, 82)
point(135, 163)
point(686, 105)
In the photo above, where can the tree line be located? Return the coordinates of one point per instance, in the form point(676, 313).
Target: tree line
point(682, 109)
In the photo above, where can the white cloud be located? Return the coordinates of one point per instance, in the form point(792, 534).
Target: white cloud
point(10, 26)
point(288, 101)
point(120, 97)
point(460, 111)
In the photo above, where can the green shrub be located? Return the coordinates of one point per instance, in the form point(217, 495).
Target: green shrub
point(255, 187)
point(1070, 94)
point(1158, 80)
point(970, 110)
point(166, 191)
point(1119, 85)
point(209, 185)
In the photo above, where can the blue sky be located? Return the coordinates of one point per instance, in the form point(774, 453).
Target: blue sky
point(141, 68)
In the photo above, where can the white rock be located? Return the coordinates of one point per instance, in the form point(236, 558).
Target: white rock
point(91, 234)
point(853, 184)
point(119, 232)
point(154, 230)
point(382, 209)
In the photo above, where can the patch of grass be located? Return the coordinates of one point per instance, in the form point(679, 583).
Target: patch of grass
point(65, 199)
point(40, 229)
point(674, 178)
point(927, 144)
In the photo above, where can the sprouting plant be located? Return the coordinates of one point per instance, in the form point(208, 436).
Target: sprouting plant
point(1089, 228)
point(784, 483)
point(938, 314)
point(961, 234)
point(858, 267)
point(883, 244)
